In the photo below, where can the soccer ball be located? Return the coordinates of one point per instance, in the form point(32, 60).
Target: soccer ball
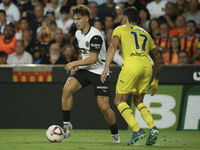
point(55, 133)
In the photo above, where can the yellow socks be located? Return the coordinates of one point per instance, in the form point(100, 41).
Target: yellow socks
point(127, 114)
point(146, 115)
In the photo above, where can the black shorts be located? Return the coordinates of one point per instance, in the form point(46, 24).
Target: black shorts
point(86, 78)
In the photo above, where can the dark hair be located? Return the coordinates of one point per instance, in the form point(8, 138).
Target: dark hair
point(132, 14)
point(85, 2)
point(10, 25)
point(23, 18)
point(111, 16)
point(2, 11)
point(154, 19)
point(92, 2)
point(81, 10)
point(158, 22)
point(147, 11)
point(2, 53)
point(171, 50)
point(165, 23)
point(64, 9)
point(50, 12)
point(191, 21)
point(183, 51)
point(170, 3)
point(97, 20)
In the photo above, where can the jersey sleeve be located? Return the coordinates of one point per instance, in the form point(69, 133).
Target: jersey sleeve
point(152, 45)
point(95, 44)
point(117, 32)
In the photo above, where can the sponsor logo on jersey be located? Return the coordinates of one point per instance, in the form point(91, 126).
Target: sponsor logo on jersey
point(96, 46)
point(87, 43)
point(138, 54)
point(102, 87)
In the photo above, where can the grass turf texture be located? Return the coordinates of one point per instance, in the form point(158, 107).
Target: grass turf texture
point(35, 139)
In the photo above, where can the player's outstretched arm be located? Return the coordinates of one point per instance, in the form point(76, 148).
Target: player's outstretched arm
point(90, 60)
point(157, 67)
point(110, 55)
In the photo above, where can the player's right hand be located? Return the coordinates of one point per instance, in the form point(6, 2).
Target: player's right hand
point(103, 75)
point(154, 84)
point(69, 66)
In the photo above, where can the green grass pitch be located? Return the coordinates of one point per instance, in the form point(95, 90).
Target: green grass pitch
point(35, 139)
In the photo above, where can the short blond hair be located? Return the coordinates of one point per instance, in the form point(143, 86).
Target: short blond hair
point(81, 10)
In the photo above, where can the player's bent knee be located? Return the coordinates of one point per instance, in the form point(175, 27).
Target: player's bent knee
point(104, 107)
point(67, 91)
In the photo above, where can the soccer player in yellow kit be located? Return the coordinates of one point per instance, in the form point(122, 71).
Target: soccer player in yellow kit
point(136, 72)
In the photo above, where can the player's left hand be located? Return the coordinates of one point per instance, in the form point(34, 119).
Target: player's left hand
point(103, 75)
point(153, 91)
point(154, 85)
point(69, 66)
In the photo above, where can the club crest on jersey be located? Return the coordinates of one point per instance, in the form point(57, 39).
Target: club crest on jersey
point(87, 43)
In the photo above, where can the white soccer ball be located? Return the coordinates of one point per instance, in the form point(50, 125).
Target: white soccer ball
point(55, 133)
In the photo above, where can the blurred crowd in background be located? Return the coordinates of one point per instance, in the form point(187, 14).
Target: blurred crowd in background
point(43, 31)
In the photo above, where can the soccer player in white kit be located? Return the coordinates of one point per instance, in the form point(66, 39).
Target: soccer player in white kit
point(92, 45)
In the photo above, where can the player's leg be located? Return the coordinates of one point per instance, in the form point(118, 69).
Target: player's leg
point(127, 114)
point(144, 111)
point(126, 84)
point(146, 115)
point(104, 106)
point(109, 115)
point(102, 93)
point(142, 86)
point(71, 86)
point(126, 111)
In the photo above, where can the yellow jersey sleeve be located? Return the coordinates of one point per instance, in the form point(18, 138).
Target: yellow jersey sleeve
point(117, 32)
point(152, 45)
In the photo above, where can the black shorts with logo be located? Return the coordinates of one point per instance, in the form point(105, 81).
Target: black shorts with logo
point(86, 78)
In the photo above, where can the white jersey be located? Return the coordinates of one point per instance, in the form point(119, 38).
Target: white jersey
point(156, 10)
point(12, 13)
point(92, 42)
point(65, 27)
